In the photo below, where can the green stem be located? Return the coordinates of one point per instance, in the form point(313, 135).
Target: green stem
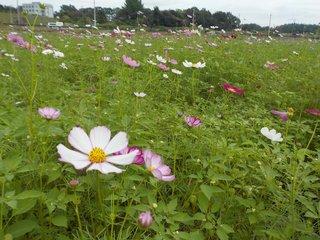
point(1, 206)
point(312, 136)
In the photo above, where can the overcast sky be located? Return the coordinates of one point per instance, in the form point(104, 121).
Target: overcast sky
point(249, 11)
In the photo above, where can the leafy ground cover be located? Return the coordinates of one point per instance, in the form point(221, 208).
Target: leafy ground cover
point(204, 120)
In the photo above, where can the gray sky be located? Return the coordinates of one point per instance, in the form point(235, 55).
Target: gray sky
point(257, 11)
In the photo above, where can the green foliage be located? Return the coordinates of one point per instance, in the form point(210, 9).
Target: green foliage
point(231, 182)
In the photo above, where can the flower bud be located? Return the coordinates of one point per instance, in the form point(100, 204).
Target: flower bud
point(74, 183)
point(145, 219)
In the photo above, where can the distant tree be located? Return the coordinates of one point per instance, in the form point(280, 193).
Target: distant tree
point(225, 21)
point(156, 17)
point(130, 10)
point(297, 28)
point(4, 8)
point(69, 13)
point(251, 27)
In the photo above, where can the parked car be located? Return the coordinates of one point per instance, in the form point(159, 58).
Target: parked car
point(55, 24)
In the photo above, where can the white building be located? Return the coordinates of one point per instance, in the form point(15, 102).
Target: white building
point(34, 8)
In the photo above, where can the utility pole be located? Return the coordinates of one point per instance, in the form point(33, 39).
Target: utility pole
point(193, 19)
point(18, 13)
point(11, 21)
point(94, 14)
point(269, 25)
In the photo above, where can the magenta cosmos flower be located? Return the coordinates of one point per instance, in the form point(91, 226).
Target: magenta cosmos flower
point(192, 121)
point(139, 160)
point(49, 113)
point(282, 115)
point(233, 89)
point(163, 67)
point(130, 62)
point(155, 165)
point(313, 111)
point(95, 152)
point(145, 219)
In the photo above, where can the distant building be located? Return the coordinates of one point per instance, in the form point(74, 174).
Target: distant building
point(34, 8)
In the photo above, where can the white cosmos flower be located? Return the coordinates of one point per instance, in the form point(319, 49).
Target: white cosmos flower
point(165, 76)
point(176, 71)
point(187, 64)
point(141, 94)
point(148, 44)
point(47, 51)
point(151, 62)
point(95, 151)
point(57, 54)
point(129, 41)
point(63, 65)
point(105, 59)
point(199, 65)
point(161, 59)
point(271, 134)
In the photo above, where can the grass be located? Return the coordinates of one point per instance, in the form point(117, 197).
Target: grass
point(231, 181)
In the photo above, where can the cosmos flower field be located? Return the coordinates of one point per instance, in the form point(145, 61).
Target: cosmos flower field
point(174, 135)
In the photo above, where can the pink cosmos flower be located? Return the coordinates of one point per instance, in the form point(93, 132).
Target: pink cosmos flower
point(145, 219)
point(156, 34)
point(173, 61)
point(233, 89)
point(19, 41)
point(282, 115)
point(313, 111)
point(130, 62)
point(139, 160)
point(163, 67)
point(187, 33)
point(192, 121)
point(49, 113)
point(155, 165)
point(95, 152)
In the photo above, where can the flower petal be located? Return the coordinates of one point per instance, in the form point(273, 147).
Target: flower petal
point(157, 174)
point(264, 131)
point(100, 136)
point(117, 143)
point(80, 140)
point(77, 159)
point(168, 178)
point(124, 159)
point(164, 169)
point(104, 168)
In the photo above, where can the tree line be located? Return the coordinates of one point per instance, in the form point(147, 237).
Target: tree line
point(133, 13)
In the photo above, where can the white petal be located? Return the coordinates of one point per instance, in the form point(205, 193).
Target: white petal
point(124, 159)
point(104, 168)
point(264, 131)
point(100, 136)
point(117, 143)
point(80, 140)
point(273, 132)
point(77, 159)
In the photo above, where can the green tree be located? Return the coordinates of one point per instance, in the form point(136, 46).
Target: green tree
point(130, 10)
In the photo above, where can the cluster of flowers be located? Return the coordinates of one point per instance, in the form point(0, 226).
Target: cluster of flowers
point(19, 41)
point(98, 151)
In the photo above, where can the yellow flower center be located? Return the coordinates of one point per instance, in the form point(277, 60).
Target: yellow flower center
point(151, 168)
point(97, 155)
point(290, 112)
